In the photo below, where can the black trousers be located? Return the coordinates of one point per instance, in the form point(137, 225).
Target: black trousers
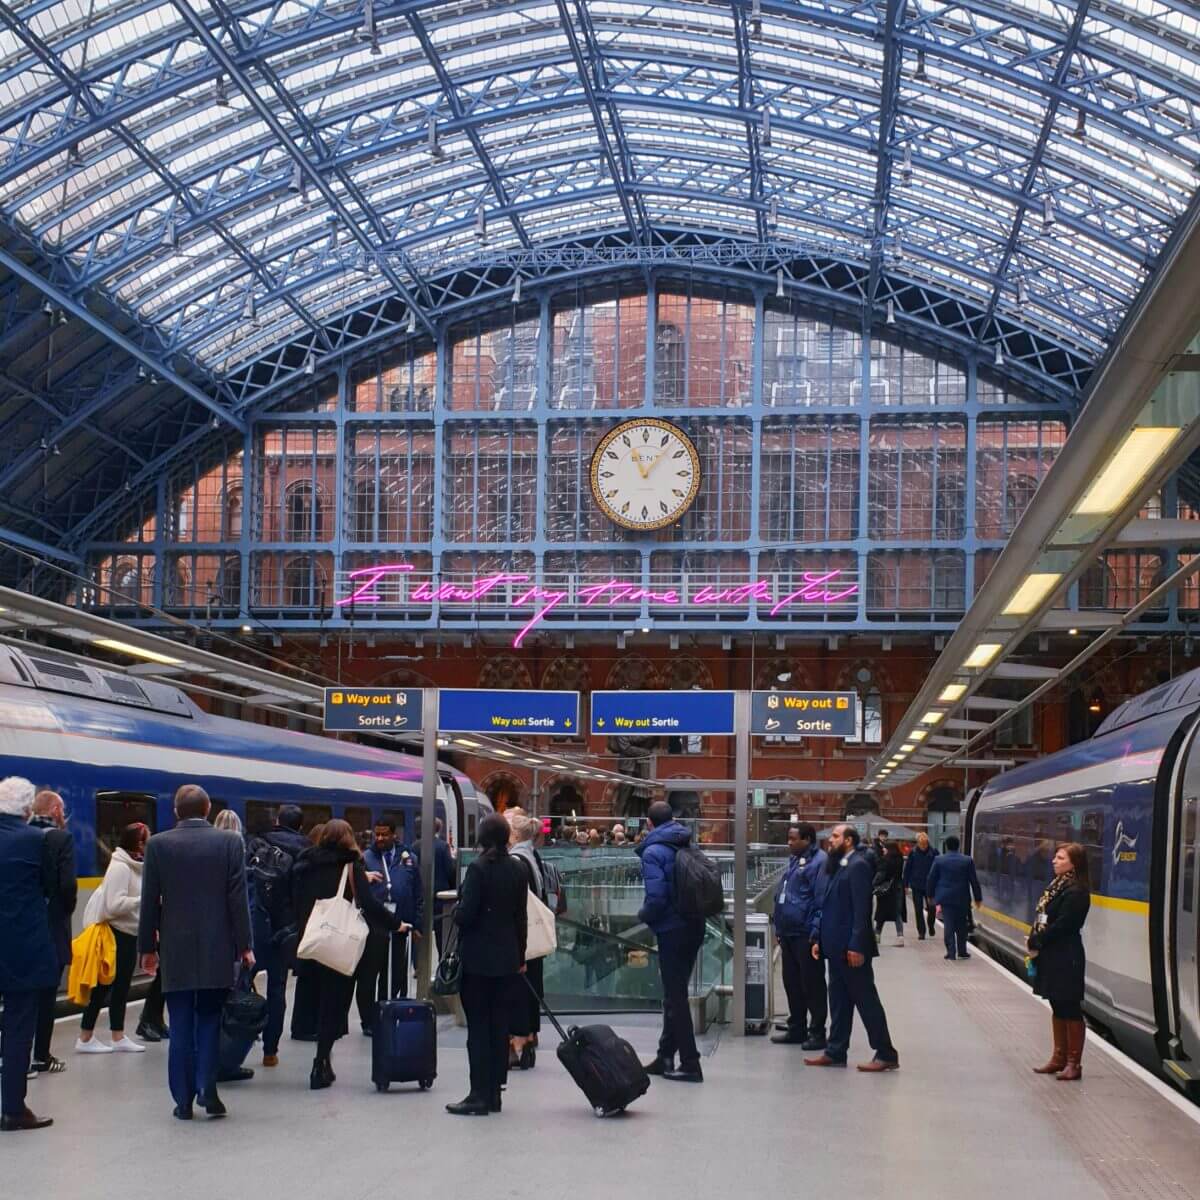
point(920, 904)
point(152, 1009)
point(47, 1001)
point(954, 929)
point(488, 1001)
point(18, 1024)
point(853, 988)
point(677, 950)
point(804, 982)
point(116, 994)
point(372, 974)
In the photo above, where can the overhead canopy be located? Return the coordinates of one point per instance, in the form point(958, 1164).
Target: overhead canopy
point(246, 193)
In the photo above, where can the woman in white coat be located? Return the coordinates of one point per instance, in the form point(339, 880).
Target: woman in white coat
point(117, 903)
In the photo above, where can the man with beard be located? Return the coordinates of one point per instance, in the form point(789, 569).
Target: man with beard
point(848, 943)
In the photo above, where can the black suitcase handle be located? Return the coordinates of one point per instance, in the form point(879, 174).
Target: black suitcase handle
point(544, 1006)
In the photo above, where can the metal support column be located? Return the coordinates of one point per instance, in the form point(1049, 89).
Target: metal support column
point(741, 785)
point(429, 791)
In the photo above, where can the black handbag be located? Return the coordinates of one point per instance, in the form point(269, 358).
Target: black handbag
point(244, 1015)
point(447, 979)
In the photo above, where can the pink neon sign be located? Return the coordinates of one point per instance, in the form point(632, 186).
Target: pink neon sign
point(817, 588)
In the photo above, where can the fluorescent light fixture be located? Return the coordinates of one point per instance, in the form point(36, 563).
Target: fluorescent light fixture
point(1133, 461)
point(470, 745)
point(504, 753)
point(982, 654)
point(952, 692)
point(1031, 593)
point(932, 717)
point(919, 735)
point(908, 747)
point(137, 652)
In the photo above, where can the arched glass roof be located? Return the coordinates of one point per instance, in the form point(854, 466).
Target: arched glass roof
point(238, 179)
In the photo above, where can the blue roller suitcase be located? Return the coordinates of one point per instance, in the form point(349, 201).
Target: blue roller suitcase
point(403, 1042)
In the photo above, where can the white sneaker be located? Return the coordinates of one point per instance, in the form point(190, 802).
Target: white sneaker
point(127, 1045)
point(95, 1046)
point(899, 941)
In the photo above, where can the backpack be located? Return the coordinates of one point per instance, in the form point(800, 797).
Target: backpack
point(270, 868)
point(698, 890)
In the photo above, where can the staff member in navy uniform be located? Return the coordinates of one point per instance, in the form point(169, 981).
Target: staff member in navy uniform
point(848, 943)
point(797, 907)
point(396, 884)
point(952, 882)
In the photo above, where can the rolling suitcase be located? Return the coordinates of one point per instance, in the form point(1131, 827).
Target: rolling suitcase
point(243, 1019)
point(604, 1065)
point(403, 1041)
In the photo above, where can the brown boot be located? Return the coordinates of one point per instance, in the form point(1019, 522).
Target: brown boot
point(1058, 1059)
point(1076, 1031)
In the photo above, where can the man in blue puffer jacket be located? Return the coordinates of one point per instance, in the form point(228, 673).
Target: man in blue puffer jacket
point(917, 866)
point(679, 941)
point(797, 926)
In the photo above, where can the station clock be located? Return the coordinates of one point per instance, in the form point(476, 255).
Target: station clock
point(645, 474)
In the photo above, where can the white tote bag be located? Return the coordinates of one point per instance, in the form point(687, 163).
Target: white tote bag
point(336, 933)
point(541, 938)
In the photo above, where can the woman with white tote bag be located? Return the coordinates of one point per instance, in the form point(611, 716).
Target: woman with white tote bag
point(332, 898)
point(541, 941)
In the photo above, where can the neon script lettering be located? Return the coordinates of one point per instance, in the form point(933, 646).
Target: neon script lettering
point(818, 589)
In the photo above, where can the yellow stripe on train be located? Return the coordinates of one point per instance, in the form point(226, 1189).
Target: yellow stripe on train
point(1115, 903)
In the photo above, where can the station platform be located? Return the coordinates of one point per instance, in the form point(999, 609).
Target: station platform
point(964, 1117)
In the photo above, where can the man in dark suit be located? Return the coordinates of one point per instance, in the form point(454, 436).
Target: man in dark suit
point(847, 942)
point(28, 963)
point(50, 815)
point(952, 882)
point(195, 911)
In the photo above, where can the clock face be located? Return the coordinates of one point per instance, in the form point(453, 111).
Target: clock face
point(645, 474)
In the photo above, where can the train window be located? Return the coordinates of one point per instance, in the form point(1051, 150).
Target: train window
point(1092, 836)
point(358, 816)
point(259, 817)
point(314, 815)
point(116, 810)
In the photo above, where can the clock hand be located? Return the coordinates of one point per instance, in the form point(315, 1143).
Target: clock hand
point(637, 462)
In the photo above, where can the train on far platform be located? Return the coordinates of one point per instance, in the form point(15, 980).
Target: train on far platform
point(1131, 796)
point(116, 747)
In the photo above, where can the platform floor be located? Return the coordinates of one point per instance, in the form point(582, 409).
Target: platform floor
point(964, 1117)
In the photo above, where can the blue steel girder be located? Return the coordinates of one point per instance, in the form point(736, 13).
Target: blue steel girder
point(181, 199)
point(320, 152)
point(264, 112)
point(45, 549)
point(746, 102)
point(889, 98)
point(590, 62)
point(1061, 71)
point(455, 105)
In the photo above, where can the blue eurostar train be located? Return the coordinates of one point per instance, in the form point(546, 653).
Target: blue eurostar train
point(116, 747)
point(1131, 796)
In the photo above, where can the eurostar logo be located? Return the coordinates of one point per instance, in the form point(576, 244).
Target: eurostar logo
point(1124, 846)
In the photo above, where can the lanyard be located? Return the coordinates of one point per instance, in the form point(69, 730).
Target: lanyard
point(386, 874)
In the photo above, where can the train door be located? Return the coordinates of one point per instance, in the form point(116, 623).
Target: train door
point(1185, 943)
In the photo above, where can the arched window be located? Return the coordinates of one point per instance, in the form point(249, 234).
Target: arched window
point(231, 514)
point(668, 364)
point(229, 581)
point(303, 518)
point(127, 581)
point(303, 583)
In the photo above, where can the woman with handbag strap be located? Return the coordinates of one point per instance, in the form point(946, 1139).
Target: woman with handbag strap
point(527, 1010)
point(319, 874)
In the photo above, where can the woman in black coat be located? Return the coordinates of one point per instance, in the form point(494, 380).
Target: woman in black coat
point(889, 891)
point(316, 875)
point(492, 930)
point(1056, 949)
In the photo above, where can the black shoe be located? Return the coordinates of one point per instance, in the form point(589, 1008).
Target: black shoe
point(949, 957)
point(528, 1056)
point(321, 1075)
point(147, 1033)
point(367, 1031)
point(24, 1120)
point(816, 1041)
point(790, 1038)
point(330, 1077)
point(237, 1075)
point(48, 1066)
point(211, 1103)
point(470, 1107)
point(964, 954)
point(182, 1112)
point(686, 1075)
point(659, 1066)
point(494, 1102)
point(920, 937)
